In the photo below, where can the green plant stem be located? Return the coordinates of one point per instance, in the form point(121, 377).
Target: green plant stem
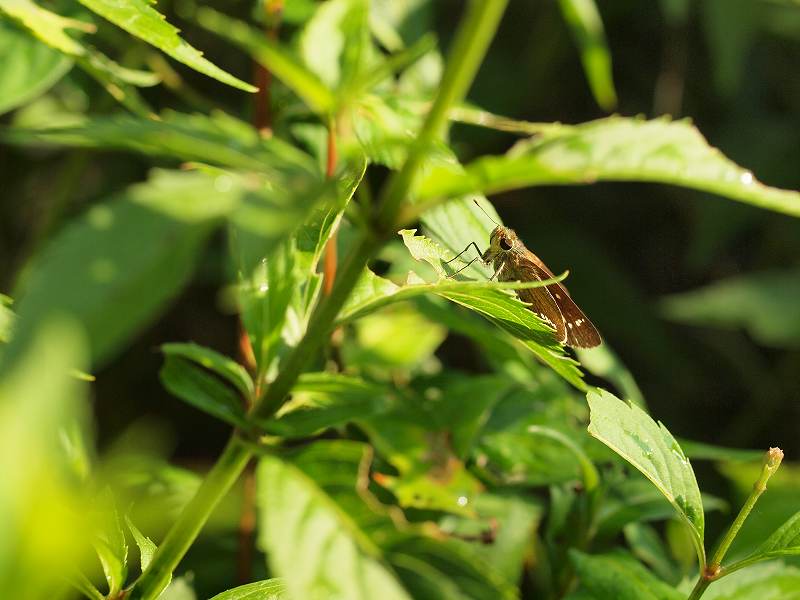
point(465, 57)
point(216, 484)
point(472, 41)
point(714, 570)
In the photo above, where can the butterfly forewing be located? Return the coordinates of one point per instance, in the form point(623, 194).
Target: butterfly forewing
point(541, 300)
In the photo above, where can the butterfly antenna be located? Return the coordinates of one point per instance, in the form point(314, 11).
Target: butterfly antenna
point(484, 212)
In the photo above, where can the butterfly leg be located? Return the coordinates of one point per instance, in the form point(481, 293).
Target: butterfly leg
point(497, 273)
point(473, 244)
point(462, 268)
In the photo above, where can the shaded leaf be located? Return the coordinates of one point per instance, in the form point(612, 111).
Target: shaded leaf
point(765, 304)
point(620, 577)
point(139, 18)
point(322, 400)
point(647, 546)
point(7, 318)
point(649, 447)
point(785, 541)
point(30, 68)
point(284, 65)
point(604, 362)
point(774, 581)
point(586, 27)
point(269, 589)
point(221, 365)
point(203, 390)
point(115, 267)
point(217, 139)
point(612, 149)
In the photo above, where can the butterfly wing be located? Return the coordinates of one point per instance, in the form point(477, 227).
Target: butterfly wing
point(540, 300)
point(581, 332)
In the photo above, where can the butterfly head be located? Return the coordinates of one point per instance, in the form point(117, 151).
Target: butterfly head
point(501, 240)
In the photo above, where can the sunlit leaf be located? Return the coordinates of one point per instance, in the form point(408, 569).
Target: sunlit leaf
point(765, 304)
point(650, 447)
point(269, 589)
point(335, 40)
point(44, 519)
point(29, 67)
point(51, 28)
point(110, 543)
point(612, 149)
point(146, 546)
point(621, 577)
point(314, 546)
point(586, 27)
point(139, 18)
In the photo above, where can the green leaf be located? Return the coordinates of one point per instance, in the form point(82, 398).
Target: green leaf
point(7, 318)
point(764, 304)
point(30, 68)
point(586, 27)
point(621, 577)
point(334, 42)
point(649, 447)
point(216, 139)
point(323, 400)
point(48, 26)
point(271, 55)
point(312, 544)
point(45, 522)
point(647, 546)
point(51, 28)
point(269, 589)
point(703, 451)
point(442, 569)
point(219, 364)
point(140, 19)
point(110, 544)
point(774, 581)
point(115, 267)
point(604, 362)
point(203, 390)
point(146, 546)
point(785, 541)
point(612, 149)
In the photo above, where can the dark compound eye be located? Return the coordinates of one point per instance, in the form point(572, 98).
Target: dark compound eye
point(504, 244)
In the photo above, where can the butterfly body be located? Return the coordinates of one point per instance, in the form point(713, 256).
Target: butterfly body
point(512, 261)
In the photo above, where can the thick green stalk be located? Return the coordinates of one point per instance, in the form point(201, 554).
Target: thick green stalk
point(216, 484)
point(465, 57)
point(472, 41)
point(714, 570)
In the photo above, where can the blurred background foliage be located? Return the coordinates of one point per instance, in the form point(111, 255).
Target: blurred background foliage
point(698, 296)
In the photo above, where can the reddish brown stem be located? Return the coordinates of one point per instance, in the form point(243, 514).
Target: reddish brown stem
point(247, 526)
point(329, 272)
